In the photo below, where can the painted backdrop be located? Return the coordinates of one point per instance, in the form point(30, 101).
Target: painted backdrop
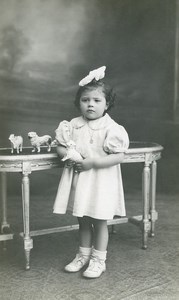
point(47, 47)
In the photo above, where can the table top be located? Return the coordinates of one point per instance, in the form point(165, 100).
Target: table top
point(13, 162)
point(27, 151)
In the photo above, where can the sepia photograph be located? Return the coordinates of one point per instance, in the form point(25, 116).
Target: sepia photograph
point(89, 149)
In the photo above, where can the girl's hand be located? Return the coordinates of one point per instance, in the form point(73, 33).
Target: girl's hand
point(70, 163)
point(84, 165)
point(99, 162)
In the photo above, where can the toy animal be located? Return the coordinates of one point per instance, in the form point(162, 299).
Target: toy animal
point(72, 153)
point(54, 143)
point(38, 141)
point(63, 137)
point(16, 143)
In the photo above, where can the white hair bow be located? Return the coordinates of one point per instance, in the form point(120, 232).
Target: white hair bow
point(95, 74)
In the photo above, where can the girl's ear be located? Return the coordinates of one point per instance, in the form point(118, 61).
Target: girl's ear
point(107, 106)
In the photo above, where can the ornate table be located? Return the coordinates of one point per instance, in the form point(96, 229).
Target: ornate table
point(28, 162)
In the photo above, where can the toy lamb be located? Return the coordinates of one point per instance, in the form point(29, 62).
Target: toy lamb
point(63, 137)
point(72, 153)
point(16, 143)
point(38, 141)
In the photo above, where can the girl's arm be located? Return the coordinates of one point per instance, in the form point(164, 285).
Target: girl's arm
point(61, 151)
point(99, 162)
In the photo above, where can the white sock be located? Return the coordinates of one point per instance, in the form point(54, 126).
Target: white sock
point(85, 251)
point(100, 254)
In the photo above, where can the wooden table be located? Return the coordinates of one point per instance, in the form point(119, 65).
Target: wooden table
point(28, 162)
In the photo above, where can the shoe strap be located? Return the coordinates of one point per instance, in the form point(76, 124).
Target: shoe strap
point(95, 262)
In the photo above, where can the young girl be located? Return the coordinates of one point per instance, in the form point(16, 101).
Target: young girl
point(91, 184)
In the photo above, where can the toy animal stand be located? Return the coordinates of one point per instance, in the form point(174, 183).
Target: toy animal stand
point(27, 162)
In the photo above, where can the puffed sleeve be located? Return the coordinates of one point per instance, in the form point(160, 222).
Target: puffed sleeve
point(117, 140)
point(63, 133)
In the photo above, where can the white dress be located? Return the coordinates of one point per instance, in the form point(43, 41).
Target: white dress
point(97, 193)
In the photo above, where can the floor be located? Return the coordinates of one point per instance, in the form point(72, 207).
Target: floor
point(132, 273)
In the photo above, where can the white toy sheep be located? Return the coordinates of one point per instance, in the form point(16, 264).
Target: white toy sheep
point(72, 153)
point(54, 143)
point(64, 137)
point(16, 143)
point(37, 141)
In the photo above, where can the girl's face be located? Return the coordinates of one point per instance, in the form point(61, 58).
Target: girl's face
point(93, 104)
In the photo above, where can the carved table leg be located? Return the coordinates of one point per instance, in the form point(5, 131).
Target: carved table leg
point(153, 212)
point(146, 188)
point(28, 242)
point(113, 231)
point(4, 225)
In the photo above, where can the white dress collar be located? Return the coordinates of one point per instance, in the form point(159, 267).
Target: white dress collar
point(93, 124)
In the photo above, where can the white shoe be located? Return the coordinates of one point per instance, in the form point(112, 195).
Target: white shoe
point(96, 268)
point(77, 263)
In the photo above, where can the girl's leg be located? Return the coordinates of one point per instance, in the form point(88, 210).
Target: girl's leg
point(84, 253)
point(101, 234)
point(97, 263)
point(85, 232)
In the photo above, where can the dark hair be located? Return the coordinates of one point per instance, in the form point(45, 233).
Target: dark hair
point(94, 84)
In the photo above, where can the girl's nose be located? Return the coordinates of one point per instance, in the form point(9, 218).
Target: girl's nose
point(90, 103)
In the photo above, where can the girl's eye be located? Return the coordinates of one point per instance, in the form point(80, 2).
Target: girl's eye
point(84, 100)
point(97, 100)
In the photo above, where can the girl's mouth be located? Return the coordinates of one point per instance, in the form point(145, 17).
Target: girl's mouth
point(90, 110)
